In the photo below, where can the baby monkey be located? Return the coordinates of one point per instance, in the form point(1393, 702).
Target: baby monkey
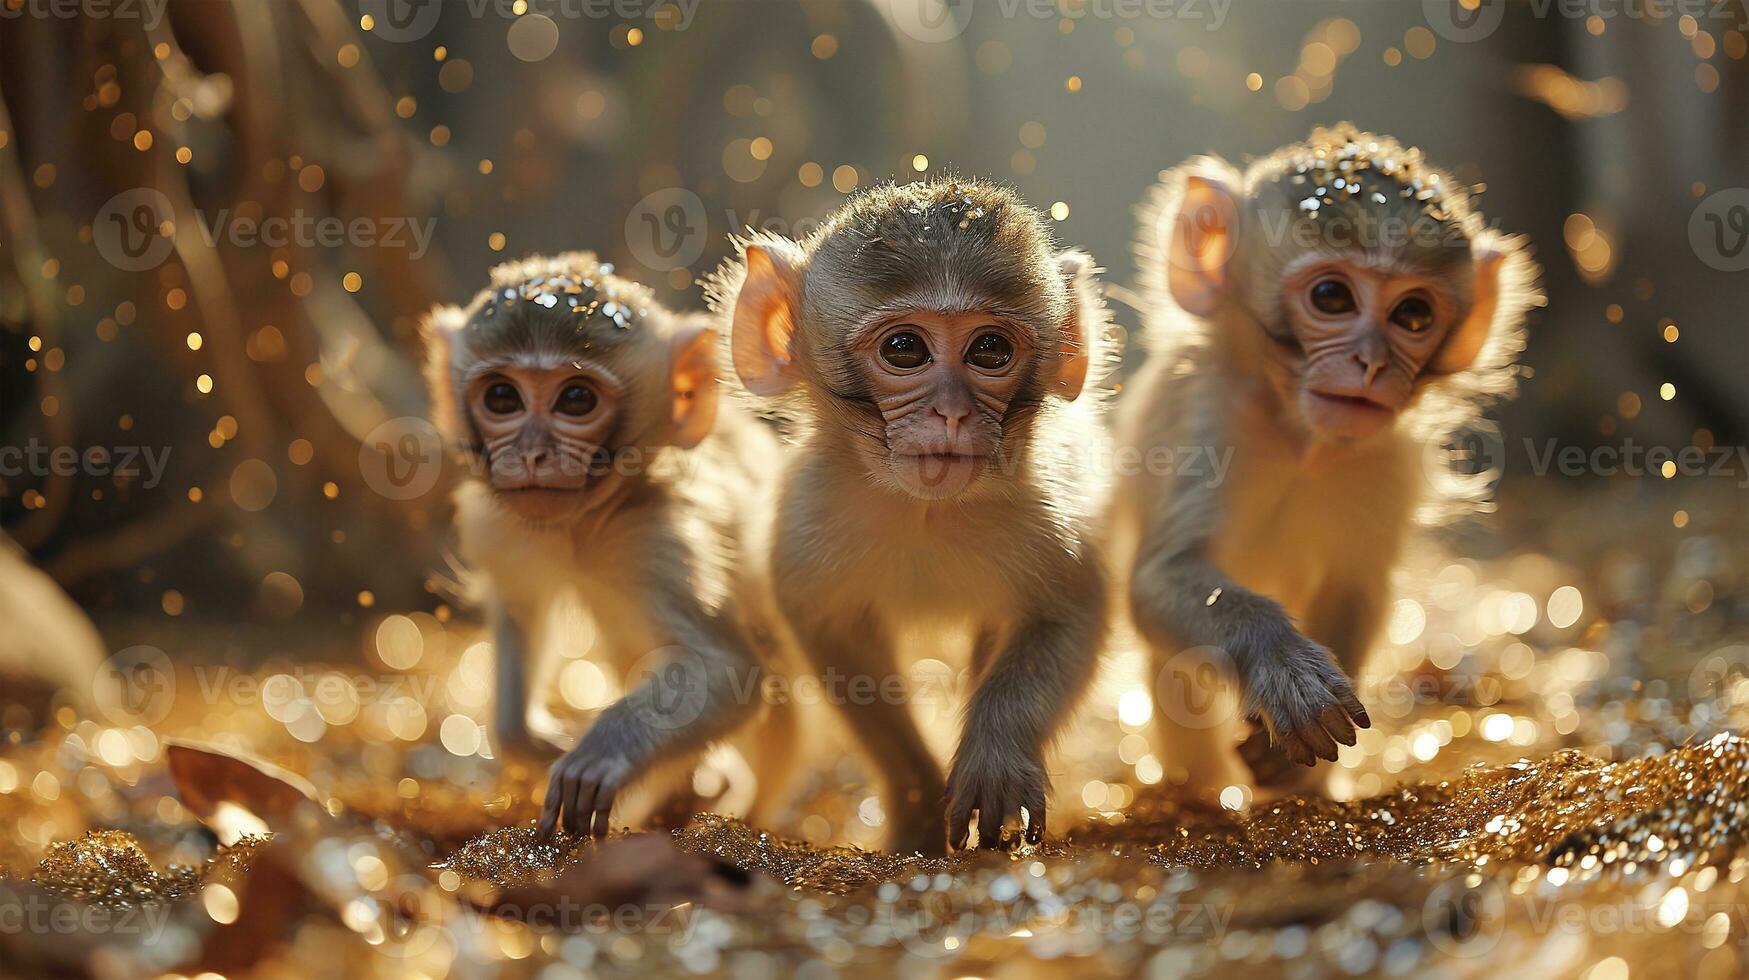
point(1326, 315)
point(604, 464)
point(928, 341)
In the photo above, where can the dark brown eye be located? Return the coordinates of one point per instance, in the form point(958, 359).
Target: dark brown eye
point(1332, 296)
point(502, 398)
point(991, 352)
point(576, 401)
point(1413, 314)
point(905, 350)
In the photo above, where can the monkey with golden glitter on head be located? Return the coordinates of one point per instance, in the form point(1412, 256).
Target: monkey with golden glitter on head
point(934, 349)
point(606, 466)
point(1328, 316)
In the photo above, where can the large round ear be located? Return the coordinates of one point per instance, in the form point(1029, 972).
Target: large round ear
point(767, 309)
point(693, 381)
point(1467, 338)
point(1204, 233)
point(1082, 327)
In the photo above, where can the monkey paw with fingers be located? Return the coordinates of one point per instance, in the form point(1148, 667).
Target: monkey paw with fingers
point(1306, 703)
point(996, 789)
point(581, 788)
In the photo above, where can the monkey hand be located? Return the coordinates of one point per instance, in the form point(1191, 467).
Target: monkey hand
point(1305, 702)
point(996, 783)
point(581, 787)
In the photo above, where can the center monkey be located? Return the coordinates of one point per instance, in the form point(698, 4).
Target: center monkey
point(932, 346)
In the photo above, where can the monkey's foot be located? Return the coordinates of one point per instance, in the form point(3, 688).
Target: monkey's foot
point(1306, 703)
point(997, 792)
point(580, 788)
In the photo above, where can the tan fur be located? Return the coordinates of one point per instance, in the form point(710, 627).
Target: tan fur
point(872, 575)
point(1298, 528)
point(666, 554)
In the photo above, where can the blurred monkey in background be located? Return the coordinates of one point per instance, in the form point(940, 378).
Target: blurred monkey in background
point(605, 465)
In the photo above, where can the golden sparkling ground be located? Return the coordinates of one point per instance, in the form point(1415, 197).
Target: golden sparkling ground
point(1569, 799)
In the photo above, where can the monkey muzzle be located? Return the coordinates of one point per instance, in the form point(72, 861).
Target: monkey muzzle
point(1347, 414)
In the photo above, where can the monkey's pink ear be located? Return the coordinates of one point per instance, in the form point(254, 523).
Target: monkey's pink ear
point(693, 375)
point(1081, 327)
point(1203, 237)
point(1469, 337)
point(766, 311)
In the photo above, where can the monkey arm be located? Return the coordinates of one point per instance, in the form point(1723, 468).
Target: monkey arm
point(701, 686)
point(1180, 598)
point(1024, 695)
point(510, 683)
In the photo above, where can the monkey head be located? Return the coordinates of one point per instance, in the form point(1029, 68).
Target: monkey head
point(1357, 275)
point(927, 323)
point(561, 380)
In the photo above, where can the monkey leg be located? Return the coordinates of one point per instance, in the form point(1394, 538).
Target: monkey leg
point(773, 748)
point(860, 654)
point(1021, 699)
point(1196, 723)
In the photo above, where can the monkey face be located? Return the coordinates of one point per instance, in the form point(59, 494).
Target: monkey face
point(943, 383)
point(1360, 339)
point(544, 432)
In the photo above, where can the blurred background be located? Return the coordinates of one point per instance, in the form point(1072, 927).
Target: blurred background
point(223, 219)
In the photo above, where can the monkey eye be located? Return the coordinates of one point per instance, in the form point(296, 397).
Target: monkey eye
point(905, 350)
point(577, 401)
point(1332, 296)
point(1413, 314)
point(502, 398)
point(990, 351)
